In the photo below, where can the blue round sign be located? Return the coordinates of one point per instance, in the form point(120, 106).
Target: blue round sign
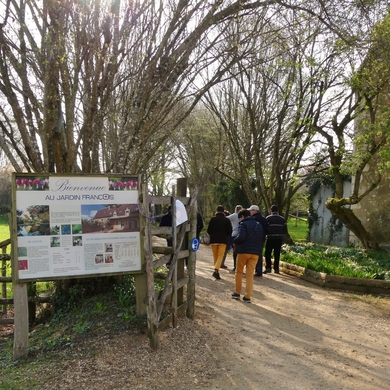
point(195, 244)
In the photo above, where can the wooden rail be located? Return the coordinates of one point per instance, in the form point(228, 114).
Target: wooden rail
point(4, 279)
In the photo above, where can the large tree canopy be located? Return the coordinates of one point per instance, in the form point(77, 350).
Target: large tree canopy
point(97, 86)
point(101, 85)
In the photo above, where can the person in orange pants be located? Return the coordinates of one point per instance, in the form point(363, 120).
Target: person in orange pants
point(219, 230)
point(250, 242)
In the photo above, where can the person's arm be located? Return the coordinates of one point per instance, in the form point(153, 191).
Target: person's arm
point(241, 234)
point(200, 222)
point(210, 227)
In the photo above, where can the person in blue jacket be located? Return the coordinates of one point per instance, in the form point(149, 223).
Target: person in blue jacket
point(250, 242)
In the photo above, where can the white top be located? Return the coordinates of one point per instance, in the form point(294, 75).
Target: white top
point(235, 222)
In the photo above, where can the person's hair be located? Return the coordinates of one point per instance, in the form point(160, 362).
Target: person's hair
point(170, 207)
point(220, 209)
point(244, 213)
point(274, 208)
point(238, 208)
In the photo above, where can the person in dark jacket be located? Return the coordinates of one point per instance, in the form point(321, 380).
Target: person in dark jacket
point(166, 220)
point(219, 230)
point(255, 213)
point(250, 242)
point(199, 224)
point(277, 229)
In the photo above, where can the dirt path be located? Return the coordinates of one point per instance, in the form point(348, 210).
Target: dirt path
point(294, 335)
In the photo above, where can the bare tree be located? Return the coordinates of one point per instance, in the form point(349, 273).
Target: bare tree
point(264, 110)
point(367, 106)
point(93, 86)
point(289, 108)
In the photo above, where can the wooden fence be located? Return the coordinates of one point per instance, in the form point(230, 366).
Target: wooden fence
point(5, 301)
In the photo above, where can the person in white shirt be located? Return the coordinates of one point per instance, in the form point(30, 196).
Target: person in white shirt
point(235, 222)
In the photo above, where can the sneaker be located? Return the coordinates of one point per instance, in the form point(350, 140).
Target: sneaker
point(247, 300)
point(216, 275)
point(223, 266)
point(235, 296)
point(267, 271)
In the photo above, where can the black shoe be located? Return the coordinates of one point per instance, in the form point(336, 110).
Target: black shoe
point(276, 271)
point(247, 300)
point(267, 271)
point(232, 271)
point(258, 274)
point(216, 275)
point(235, 296)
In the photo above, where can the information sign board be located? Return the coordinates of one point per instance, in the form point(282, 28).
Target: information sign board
point(73, 226)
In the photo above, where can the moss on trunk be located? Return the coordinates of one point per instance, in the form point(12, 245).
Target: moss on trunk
point(351, 221)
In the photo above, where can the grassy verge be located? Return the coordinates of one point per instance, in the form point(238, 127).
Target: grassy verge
point(298, 230)
point(77, 320)
point(349, 262)
point(4, 227)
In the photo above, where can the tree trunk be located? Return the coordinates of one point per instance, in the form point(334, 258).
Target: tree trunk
point(352, 222)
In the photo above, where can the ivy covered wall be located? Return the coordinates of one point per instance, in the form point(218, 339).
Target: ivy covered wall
point(324, 228)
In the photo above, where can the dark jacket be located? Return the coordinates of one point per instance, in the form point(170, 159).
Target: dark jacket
point(277, 226)
point(166, 219)
point(199, 224)
point(263, 221)
point(250, 237)
point(219, 229)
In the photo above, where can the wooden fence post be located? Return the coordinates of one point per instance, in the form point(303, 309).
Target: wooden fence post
point(20, 321)
point(20, 301)
point(151, 296)
point(141, 291)
point(192, 261)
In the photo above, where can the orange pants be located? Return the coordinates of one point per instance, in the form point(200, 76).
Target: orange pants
point(218, 254)
point(249, 261)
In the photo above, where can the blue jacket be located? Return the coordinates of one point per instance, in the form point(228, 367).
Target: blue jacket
point(250, 237)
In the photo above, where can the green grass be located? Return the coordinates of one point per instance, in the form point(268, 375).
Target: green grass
point(348, 262)
point(298, 229)
point(4, 228)
point(5, 235)
point(75, 321)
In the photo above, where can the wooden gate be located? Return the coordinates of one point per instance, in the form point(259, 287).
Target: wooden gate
point(179, 283)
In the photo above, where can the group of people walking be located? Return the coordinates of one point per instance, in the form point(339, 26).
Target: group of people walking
point(247, 230)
